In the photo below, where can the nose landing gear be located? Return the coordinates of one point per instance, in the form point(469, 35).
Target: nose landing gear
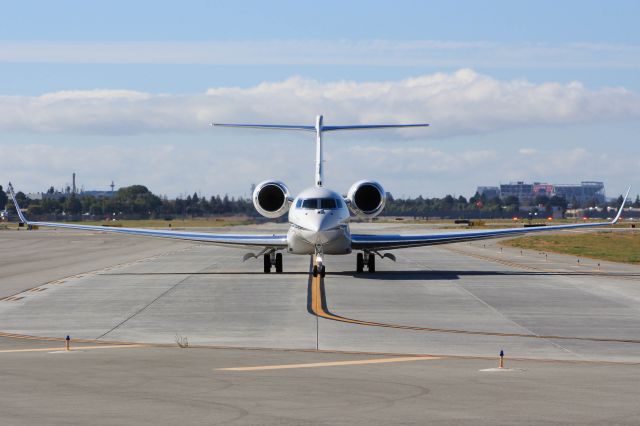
point(319, 270)
point(318, 267)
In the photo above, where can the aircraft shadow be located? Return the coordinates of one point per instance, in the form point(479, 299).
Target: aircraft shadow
point(202, 273)
point(400, 275)
point(455, 275)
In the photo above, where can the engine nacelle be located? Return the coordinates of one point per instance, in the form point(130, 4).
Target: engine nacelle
point(366, 198)
point(271, 198)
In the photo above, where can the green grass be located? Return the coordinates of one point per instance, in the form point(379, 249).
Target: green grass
point(178, 223)
point(160, 223)
point(613, 246)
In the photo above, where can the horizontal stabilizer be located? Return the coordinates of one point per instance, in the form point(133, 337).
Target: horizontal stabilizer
point(372, 127)
point(266, 126)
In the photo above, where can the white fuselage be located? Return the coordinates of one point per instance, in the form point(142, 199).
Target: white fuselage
point(319, 223)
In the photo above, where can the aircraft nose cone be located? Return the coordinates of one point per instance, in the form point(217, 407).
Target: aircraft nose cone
point(322, 223)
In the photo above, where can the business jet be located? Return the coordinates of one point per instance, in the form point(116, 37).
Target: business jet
point(319, 217)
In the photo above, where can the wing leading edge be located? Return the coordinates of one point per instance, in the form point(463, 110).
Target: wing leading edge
point(387, 242)
point(239, 240)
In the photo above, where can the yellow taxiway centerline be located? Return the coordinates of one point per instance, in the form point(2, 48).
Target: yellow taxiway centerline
point(331, 363)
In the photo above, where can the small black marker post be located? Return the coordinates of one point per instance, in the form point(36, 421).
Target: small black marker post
point(67, 343)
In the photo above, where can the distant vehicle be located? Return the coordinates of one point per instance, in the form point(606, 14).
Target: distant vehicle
point(319, 218)
point(4, 216)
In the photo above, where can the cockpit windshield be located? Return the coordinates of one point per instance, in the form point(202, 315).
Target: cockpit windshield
point(310, 203)
point(327, 203)
point(319, 203)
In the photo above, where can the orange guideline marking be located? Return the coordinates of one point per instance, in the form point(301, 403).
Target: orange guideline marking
point(318, 306)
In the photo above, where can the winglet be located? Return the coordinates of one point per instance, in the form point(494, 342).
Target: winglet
point(15, 203)
point(624, 200)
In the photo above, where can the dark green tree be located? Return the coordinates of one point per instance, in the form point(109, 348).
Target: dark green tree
point(3, 199)
point(72, 205)
point(22, 199)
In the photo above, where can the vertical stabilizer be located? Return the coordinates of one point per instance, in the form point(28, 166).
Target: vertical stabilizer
point(319, 153)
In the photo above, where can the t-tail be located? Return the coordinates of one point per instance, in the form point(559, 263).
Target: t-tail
point(319, 129)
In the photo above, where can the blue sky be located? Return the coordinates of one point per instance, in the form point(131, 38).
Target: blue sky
point(528, 90)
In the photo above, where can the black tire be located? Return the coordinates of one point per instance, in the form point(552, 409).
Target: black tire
point(359, 262)
point(323, 271)
point(371, 265)
point(267, 263)
point(278, 263)
point(315, 270)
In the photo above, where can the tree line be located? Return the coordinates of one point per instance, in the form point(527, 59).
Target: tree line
point(137, 201)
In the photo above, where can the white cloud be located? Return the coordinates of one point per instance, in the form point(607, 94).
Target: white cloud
point(182, 168)
point(164, 141)
point(463, 102)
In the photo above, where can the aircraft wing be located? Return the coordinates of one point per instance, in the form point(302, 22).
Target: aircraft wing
point(239, 240)
point(389, 241)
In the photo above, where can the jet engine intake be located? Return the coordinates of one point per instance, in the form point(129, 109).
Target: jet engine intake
point(366, 198)
point(271, 199)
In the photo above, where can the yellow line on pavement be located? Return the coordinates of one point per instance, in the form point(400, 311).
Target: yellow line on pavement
point(318, 303)
point(75, 348)
point(331, 363)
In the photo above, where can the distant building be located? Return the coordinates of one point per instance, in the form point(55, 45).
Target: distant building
point(523, 191)
point(576, 195)
point(583, 194)
point(58, 195)
point(70, 190)
point(98, 194)
point(543, 190)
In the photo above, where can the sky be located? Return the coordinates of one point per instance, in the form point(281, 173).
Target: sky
point(530, 90)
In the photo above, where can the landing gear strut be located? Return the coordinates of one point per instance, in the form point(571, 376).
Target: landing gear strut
point(318, 268)
point(272, 259)
point(368, 259)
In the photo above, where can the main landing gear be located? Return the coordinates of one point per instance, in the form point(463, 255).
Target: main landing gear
point(368, 259)
point(272, 259)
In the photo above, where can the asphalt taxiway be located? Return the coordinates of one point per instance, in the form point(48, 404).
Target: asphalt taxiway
point(404, 345)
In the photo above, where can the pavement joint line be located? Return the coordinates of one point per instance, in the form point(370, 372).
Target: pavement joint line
point(330, 363)
point(73, 349)
point(60, 281)
point(551, 342)
point(164, 293)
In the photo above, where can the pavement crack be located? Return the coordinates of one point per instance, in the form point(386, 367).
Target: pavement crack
point(144, 308)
